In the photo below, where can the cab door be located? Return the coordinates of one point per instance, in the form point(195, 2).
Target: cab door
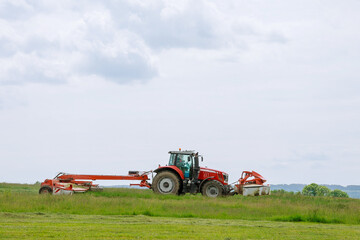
point(185, 164)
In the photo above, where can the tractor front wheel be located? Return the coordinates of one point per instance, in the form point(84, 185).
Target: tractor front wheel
point(212, 189)
point(45, 190)
point(166, 183)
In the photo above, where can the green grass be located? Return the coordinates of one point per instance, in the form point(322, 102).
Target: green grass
point(131, 213)
point(21, 188)
point(144, 202)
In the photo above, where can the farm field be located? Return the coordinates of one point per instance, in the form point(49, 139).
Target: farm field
point(140, 214)
point(69, 226)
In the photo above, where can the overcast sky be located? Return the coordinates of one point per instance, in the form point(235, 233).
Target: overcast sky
point(107, 87)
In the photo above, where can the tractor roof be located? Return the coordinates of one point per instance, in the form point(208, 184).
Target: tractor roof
point(186, 152)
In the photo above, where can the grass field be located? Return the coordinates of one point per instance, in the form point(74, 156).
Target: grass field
point(140, 214)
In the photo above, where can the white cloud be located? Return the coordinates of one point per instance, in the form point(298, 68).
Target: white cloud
point(52, 42)
point(52, 45)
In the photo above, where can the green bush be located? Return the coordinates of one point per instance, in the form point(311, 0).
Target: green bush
point(338, 193)
point(316, 190)
point(310, 190)
point(322, 191)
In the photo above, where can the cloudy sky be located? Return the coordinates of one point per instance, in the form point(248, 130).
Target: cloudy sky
point(107, 87)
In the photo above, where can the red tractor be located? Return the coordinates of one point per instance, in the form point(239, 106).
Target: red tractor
point(184, 175)
point(180, 176)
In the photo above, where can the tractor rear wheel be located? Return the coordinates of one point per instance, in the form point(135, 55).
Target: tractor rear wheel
point(212, 189)
point(166, 183)
point(45, 190)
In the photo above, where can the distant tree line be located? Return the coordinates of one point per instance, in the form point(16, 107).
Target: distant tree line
point(314, 190)
point(318, 190)
point(353, 191)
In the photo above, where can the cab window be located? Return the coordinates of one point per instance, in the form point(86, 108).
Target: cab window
point(184, 162)
point(172, 159)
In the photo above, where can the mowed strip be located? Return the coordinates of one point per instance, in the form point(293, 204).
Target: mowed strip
point(71, 226)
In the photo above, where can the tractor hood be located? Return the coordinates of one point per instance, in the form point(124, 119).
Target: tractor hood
point(212, 173)
point(202, 169)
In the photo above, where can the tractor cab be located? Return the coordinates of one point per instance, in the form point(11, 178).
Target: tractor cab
point(187, 161)
point(184, 160)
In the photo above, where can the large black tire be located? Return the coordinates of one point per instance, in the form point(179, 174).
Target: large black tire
point(166, 182)
point(45, 190)
point(212, 189)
